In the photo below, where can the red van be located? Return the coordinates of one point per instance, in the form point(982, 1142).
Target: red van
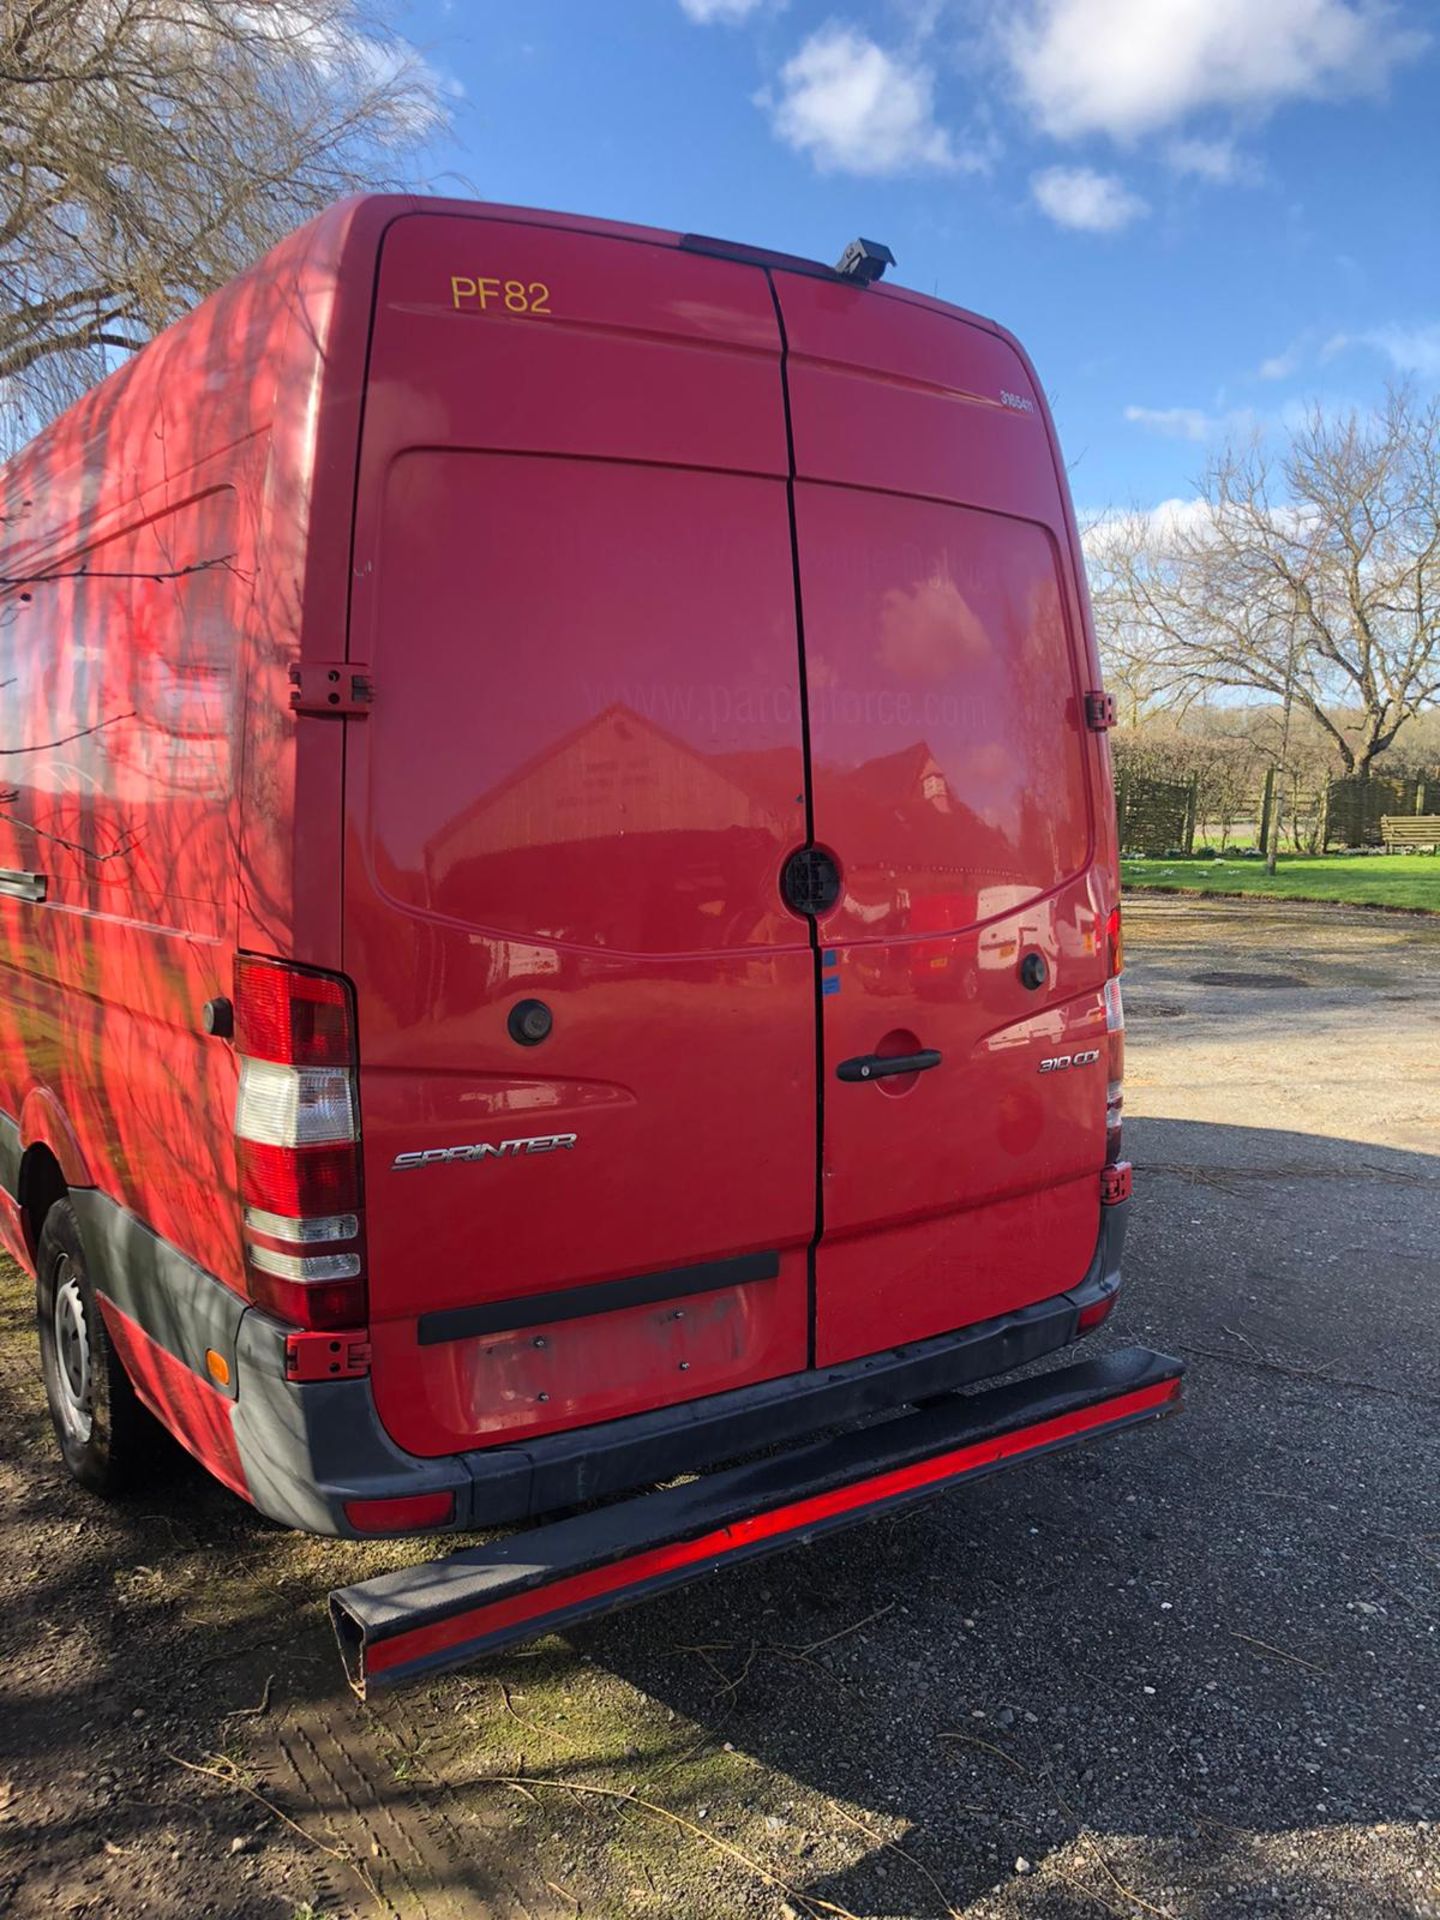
point(558, 903)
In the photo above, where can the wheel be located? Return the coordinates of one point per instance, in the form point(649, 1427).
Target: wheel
point(105, 1434)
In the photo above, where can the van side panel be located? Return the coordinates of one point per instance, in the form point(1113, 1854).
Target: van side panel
point(323, 288)
point(128, 692)
point(139, 526)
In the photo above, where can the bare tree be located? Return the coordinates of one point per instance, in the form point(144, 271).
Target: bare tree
point(1310, 575)
point(152, 148)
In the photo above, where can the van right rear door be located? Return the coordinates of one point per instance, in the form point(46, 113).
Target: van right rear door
point(953, 782)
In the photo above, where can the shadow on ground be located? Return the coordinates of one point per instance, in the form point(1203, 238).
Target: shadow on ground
point(1192, 1669)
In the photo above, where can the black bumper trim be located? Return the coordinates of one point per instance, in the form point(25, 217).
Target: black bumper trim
point(10, 1155)
point(606, 1296)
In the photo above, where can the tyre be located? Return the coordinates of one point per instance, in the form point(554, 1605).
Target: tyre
point(105, 1434)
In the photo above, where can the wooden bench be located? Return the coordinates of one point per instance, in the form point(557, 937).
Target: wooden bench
point(1400, 830)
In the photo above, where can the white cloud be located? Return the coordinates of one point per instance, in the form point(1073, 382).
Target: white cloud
point(1218, 161)
point(1408, 349)
point(854, 108)
point(1176, 523)
point(1081, 197)
point(1131, 67)
point(1105, 528)
point(1175, 423)
point(1280, 366)
point(703, 12)
point(1189, 423)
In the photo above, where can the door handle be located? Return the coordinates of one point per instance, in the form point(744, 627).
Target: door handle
point(878, 1066)
point(22, 886)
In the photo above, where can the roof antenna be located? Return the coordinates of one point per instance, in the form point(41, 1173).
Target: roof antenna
point(865, 261)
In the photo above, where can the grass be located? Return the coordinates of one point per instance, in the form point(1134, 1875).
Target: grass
point(1359, 880)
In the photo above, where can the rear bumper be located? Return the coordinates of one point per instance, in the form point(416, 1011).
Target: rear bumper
point(443, 1613)
point(309, 1448)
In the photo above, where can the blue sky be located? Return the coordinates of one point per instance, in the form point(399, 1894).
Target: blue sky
point(1198, 214)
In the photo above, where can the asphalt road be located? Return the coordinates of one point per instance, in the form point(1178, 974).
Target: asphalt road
point(1189, 1671)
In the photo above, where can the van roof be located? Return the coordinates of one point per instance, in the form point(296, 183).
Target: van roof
point(238, 323)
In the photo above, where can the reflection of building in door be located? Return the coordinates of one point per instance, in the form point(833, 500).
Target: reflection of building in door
point(957, 868)
point(672, 821)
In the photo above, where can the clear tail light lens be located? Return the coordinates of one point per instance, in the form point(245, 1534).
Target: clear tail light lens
point(1115, 1087)
point(296, 1106)
point(297, 1128)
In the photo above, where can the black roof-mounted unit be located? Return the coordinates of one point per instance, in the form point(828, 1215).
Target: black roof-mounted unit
point(865, 261)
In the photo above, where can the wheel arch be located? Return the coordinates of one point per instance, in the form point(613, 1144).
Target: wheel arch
point(45, 1123)
point(51, 1160)
point(42, 1183)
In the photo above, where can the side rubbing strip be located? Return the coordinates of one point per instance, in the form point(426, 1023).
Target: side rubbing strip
point(577, 1303)
point(444, 1612)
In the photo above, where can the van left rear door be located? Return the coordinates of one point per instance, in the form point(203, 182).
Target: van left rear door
point(572, 798)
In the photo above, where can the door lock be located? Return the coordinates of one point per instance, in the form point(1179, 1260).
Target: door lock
point(810, 881)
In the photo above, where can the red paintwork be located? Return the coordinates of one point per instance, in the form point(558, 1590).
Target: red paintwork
point(200, 1417)
point(775, 1526)
point(949, 770)
point(608, 711)
point(561, 544)
point(444, 1398)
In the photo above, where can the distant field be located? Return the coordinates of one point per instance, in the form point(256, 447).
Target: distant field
point(1361, 880)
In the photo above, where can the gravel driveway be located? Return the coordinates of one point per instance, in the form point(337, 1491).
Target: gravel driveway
point(1191, 1671)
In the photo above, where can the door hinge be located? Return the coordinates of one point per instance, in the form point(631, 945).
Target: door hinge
point(1099, 710)
point(327, 1356)
point(331, 686)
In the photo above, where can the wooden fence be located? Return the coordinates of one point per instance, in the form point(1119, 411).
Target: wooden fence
point(1155, 816)
point(1354, 807)
point(1159, 817)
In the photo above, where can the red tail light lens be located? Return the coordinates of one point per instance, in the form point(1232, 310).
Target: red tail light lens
point(401, 1513)
point(1092, 1315)
point(297, 1127)
point(299, 1019)
point(1114, 944)
point(299, 1181)
point(324, 1306)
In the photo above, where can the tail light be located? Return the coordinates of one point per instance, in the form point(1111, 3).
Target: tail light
point(297, 1131)
point(401, 1513)
point(1090, 1317)
point(1114, 944)
point(1115, 1031)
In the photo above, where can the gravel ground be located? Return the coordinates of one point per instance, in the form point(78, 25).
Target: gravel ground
point(1190, 1671)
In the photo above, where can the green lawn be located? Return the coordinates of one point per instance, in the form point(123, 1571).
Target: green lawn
point(1363, 880)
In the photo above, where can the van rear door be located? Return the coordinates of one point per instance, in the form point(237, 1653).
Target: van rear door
point(586, 1019)
point(953, 783)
